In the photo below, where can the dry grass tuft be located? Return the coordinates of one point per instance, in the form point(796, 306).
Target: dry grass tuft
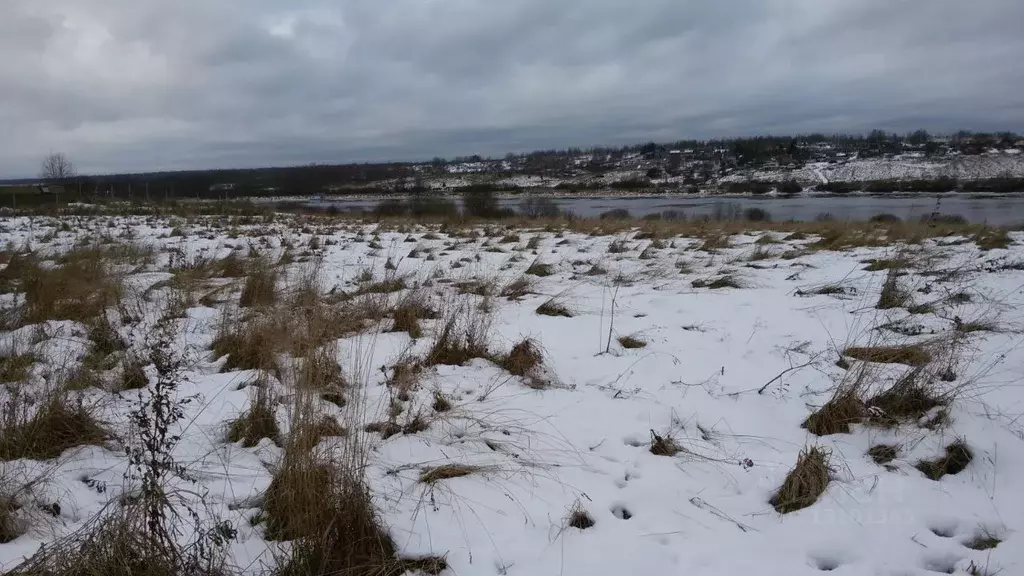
point(320, 370)
point(447, 472)
point(464, 334)
point(105, 342)
point(727, 281)
point(133, 374)
point(580, 518)
point(248, 345)
point(518, 288)
point(539, 269)
point(805, 483)
point(874, 265)
point(80, 290)
point(892, 295)
point(631, 342)
point(47, 429)
point(835, 416)
point(260, 287)
point(407, 314)
point(883, 453)
point(985, 540)
point(912, 396)
point(9, 526)
point(15, 367)
point(993, 238)
point(526, 361)
point(441, 402)
point(664, 445)
point(382, 287)
point(259, 421)
point(958, 455)
point(911, 354)
point(554, 308)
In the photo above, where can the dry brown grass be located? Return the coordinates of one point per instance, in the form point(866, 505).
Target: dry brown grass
point(80, 289)
point(553, 307)
point(911, 397)
point(956, 458)
point(664, 445)
point(447, 472)
point(463, 334)
point(518, 288)
point(320, 370)
point(726, 281)
point(118, 543)
point(10, 528)
point(910, 354)
point(525, 360)
point(805, 483)
point(540, 269)
point(250, 344)
point(631, 342)
point(259, 421)
point(15, 367)
point(993, 238)
point(441, 402)
point(408, 312)
point(892, 295)
point(883, 453)
point(579, 517)
point(835, 416)
point(260, 288)
point(44, 430)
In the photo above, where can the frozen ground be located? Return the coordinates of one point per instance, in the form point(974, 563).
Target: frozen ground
point(583, 439)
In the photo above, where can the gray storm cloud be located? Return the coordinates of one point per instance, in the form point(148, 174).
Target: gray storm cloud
point(131, 85)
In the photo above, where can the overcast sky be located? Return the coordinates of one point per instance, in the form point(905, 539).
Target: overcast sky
point(133, 85)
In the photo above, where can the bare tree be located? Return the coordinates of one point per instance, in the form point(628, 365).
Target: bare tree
point(56, 166)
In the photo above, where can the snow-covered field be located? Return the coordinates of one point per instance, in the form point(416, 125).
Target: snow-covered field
point(723, 375)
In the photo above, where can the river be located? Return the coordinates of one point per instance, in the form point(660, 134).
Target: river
point(996, 210)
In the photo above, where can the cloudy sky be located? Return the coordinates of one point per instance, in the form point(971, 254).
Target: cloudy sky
point(133, 85)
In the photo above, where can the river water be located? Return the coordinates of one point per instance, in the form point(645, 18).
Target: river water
point(996, 210)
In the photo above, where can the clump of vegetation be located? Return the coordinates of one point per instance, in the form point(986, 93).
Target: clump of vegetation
point(14, 367)
point(248, 345)
point(81, 289)
point(407, 314)
point(447, 472)
point(993, 238)
point(883, 453)
point(133, 374)
point(892, 296)
point(805, 483)
point(911, 354)
point(911, 397)
point(539, 269)
point(260, 288)
point(874, 265)
point(956, 458)
point(580, 518)
point(518, 288)
point(464, 334)
point(441, 402)
point(525, 360)
point(664, 445)
point(985, 540)
point(45, 430)
point(835, 416)
point(631, 342)
point(382, 287)
point(554, 308)
point(727, 281)
point(259, 421)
